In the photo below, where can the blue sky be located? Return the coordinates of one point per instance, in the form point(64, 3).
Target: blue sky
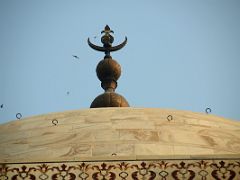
point(180, 54)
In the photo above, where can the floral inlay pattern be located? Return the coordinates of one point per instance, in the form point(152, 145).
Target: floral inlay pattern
point(123, 170)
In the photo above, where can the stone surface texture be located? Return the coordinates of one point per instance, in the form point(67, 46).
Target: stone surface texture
point(119, 134)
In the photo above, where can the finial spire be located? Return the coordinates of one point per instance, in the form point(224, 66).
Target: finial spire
point(108, 72)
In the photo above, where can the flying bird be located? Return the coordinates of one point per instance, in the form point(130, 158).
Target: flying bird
point(2, 106)
point(75, 56)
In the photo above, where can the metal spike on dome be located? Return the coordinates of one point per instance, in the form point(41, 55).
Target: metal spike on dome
point(108, 72)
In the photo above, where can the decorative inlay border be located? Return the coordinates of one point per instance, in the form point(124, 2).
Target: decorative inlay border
point(159, 169)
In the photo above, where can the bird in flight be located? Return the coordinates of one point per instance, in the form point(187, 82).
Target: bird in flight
point(75, 56)
point(2, 106)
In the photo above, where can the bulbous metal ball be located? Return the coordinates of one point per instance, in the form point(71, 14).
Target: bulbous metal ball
point(109, 99)
point(107, 40)
point(108, 69)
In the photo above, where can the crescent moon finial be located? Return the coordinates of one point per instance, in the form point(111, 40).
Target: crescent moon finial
point(107, 40)
point(108, 72)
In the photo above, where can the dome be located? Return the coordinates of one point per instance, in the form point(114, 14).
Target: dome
point(118, 133)
point(120, 143)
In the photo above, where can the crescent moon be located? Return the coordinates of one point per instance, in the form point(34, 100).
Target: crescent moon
point(103, 49)
point(120, 46)
point(98, 48)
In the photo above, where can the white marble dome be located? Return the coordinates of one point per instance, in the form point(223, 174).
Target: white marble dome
point(118, 133)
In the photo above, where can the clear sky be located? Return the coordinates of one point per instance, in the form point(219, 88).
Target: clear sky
point(181, 55)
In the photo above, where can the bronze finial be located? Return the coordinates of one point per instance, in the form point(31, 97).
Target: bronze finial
point(107, 40)
point(108, 72)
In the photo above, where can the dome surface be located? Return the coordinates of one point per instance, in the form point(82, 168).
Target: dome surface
point(118, 133)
